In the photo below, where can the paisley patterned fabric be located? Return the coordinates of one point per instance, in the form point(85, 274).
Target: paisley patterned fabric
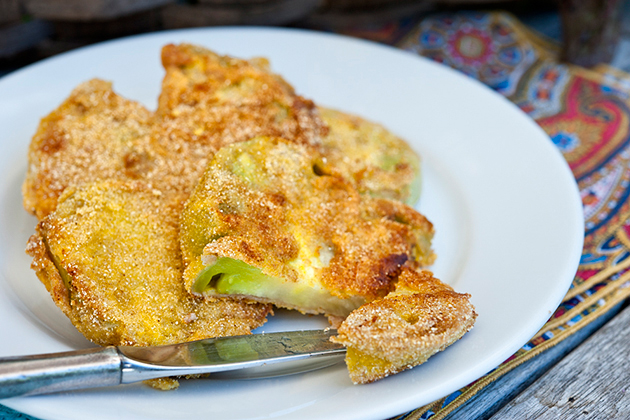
point(587, 116)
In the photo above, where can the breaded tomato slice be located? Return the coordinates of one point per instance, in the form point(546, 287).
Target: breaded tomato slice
point(91, 136)
point(376, 161)
point(109, 256)
point(268, 221)
point(217, 100)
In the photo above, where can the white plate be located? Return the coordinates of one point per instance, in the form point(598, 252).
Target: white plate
point(504, 203)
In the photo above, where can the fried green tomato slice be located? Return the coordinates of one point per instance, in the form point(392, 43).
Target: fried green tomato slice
point(269, 221)
point(109, 256)
point(90, 136)
point(215, 100)
point(375, 160)
point(421, 317)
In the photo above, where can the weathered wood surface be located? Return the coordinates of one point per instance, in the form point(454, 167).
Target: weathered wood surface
point(592, 382)
point(85, 10)
point(275, 12)
point(98, 30)
point(21, 36)
point(9, 11)
point(490, 400)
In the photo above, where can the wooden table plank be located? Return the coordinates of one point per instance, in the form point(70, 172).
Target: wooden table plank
point(22, 36)
point(493, 397)
point(276, 12)
point(9, 11)
point(86, 10)
point(592, 382)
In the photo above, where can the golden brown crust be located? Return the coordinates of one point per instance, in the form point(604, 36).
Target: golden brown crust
point(47, 272)
point(109, 254)
point(421, 317)
point(98, 135)
point(209, 101)
point(264, 202)
point(376, 161)
point(218, 100)
point(85, 139)
point(116, 244)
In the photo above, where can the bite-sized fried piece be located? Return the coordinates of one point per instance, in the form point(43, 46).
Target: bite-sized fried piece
point(375, 160)
point(109, 256)
point(269, 221)
point(90, 136)
point(421, 317)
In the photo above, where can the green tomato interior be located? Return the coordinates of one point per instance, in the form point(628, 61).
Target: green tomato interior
point(234, 277)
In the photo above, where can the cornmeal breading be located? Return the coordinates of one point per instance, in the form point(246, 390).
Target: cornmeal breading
point(376, 161)
point(90, 136)
point(98, 135)
point(421, 317)
point(318, 245)
point(215, 100)
point(109, 256)
point(209, 101)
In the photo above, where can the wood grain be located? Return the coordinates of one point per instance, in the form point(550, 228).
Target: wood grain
point(275, 12)
point(592, 382)
point(85, 10)
point(9, 11)
point(498, 393)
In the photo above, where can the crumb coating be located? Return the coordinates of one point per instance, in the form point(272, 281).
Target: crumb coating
point(109, 256)
point(421, 317)
point(275, 205)
point(376, 161)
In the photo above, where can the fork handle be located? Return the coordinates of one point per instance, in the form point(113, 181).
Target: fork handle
point(45, 373)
